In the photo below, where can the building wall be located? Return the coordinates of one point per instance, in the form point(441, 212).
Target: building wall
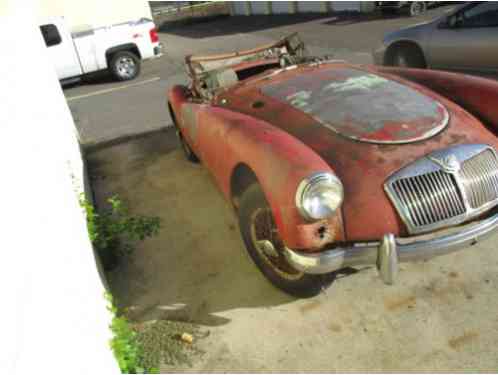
point(95, 12)
point(264, 7)
point(53, 308)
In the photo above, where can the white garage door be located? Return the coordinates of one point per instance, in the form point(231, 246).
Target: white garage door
point(259, 7)
point(281, 7)
point(239, 8)
point(338, 6)
point(310, 6)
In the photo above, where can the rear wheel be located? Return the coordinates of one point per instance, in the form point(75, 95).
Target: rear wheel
point(265, 247)
point(124, 65)
point(189, 154)
point(417, 8)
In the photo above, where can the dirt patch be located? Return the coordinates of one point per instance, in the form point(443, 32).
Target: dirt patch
point(310, 306)
point(459, 341)
point(168, 343)
point(393, 304)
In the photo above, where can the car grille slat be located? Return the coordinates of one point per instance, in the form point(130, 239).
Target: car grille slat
point(480, 178)
point(429, 198)
point(433, 197)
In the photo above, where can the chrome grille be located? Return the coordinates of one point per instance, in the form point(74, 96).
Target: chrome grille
point(429, 198)
point(447, 187)
point(480, 178)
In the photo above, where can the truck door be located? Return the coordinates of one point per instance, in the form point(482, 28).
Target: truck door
point(61, 50)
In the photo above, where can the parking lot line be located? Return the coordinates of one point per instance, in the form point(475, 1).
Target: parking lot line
point(106, 91)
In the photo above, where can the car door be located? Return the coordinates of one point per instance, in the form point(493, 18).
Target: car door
point(61, 50)
point(467, 40)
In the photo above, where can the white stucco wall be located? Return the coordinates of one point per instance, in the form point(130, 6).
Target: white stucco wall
point(95, 12)
point(53, 312)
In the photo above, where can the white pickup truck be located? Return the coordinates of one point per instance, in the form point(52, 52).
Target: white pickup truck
point(118, 48)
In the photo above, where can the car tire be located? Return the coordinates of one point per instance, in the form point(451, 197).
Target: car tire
point(408, 57)
point(124, 66)
point(417, 8)
point(187, 151)
point(256, 222)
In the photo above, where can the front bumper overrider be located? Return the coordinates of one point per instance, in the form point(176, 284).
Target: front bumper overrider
point(387, 253)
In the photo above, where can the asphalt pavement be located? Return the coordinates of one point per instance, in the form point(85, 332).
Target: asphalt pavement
point(107, 112)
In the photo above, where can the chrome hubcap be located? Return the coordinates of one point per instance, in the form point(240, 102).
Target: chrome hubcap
point(417, 8)
point(126, 67)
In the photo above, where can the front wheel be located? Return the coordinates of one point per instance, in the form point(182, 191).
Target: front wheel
point(408, 57)
point(265, 247)
point(124, 65)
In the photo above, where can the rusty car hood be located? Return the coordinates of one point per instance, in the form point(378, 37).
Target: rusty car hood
point(362, 105)
point(363, 165)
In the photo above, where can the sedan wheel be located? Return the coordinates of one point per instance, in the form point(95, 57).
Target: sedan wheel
point(408, 57)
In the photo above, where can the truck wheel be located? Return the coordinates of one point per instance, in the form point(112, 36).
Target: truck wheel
point(264, 246)
point(417, 8)
point(124, 65)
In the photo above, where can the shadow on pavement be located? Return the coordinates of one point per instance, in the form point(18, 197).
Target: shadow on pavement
point(356, 18)
point(241, 24)
point(197, 268)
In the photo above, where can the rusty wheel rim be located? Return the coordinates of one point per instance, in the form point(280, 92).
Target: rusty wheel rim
point(263, 228)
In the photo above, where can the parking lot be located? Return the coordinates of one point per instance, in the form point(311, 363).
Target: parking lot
point(440, 316)
point(106, 111)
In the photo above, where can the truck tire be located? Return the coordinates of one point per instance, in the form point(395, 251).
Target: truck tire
point(257, 226)
point(417, 8)
point(124, 65)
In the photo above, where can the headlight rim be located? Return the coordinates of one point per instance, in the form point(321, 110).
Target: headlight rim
point(306, 183)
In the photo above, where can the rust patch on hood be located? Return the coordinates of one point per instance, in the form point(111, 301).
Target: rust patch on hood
point(362, 106)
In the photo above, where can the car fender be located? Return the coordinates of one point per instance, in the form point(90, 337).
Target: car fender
point(477, 95)
point(226, 140)
point(279, 161)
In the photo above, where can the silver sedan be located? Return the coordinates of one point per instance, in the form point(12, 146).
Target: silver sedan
point(466, 39)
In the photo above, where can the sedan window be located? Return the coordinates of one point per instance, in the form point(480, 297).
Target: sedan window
point(482, 15)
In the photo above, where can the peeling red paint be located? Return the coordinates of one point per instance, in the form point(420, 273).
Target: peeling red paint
point(282, 145)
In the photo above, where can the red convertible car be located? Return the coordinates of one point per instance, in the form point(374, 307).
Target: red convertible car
point(330, 165)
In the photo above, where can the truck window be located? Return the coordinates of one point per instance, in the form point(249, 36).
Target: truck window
point(50, 34)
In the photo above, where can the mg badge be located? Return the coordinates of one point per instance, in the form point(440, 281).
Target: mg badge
point(448, 164)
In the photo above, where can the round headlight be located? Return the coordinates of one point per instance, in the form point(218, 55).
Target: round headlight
point(319, 196)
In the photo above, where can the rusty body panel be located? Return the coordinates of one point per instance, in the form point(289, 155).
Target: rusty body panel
point(226, 139)
point(476, 94)
point(361, 105)
point(283, 142)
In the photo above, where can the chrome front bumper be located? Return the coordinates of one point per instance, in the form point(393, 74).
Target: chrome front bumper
point(387, 253)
